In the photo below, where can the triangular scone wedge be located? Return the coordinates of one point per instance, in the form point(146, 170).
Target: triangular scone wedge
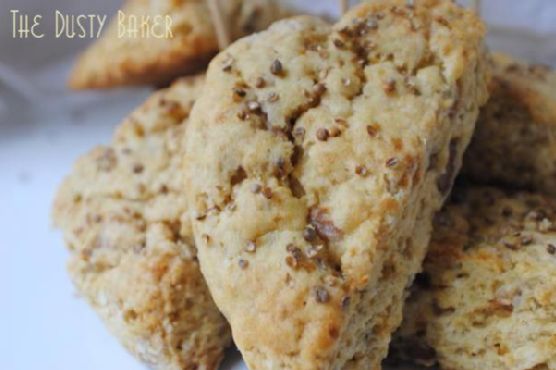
point(487, 298)
point(515, 141)
point(143, 58)
point(132, 254)
point(316, 159)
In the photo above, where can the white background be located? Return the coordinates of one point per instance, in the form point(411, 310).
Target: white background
point(44, 127)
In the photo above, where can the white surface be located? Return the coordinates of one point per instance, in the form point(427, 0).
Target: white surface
point(43, 128)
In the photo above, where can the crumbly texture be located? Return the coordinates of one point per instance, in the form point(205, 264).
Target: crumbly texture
point(132, 253)
point(316, 158)
point(487, 298)
point(122, 60)
point(515, 141)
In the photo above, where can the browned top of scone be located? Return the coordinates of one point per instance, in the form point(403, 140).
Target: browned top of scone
point(515, 141)
point(151, 42)
point(532, 84)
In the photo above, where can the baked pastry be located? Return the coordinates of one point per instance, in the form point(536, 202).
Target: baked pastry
point(515, 140)
point(316, 157)
point(132, 254)
point(163, 50)
point(487, 298)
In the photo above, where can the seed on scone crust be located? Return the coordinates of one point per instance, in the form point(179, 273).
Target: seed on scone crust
point(276, 68)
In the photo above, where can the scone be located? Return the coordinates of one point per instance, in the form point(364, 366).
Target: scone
point(122, 58)
point(487, 299)
point(316, 158)
point(515, 140)
point(132, 254)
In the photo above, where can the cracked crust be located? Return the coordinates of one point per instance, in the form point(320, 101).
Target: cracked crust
point(116, 60)
point(132, 253)
point(315, 160)
point(515, 141)
point(487, 299)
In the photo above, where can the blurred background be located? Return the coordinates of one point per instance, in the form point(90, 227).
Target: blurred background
point(44, 127)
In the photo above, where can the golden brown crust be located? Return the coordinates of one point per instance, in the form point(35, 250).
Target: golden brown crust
point(116, 60)
point(515, 141)
point(315, 160)
point(132, 252)
point(487, 297)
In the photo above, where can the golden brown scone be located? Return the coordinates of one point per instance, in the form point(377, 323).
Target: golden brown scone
point(132, 252)
point(116, 60)
point(515, 141)
point(316, 157)
point(487, 299)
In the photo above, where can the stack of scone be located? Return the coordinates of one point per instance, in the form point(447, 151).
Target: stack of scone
point(288, 198)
